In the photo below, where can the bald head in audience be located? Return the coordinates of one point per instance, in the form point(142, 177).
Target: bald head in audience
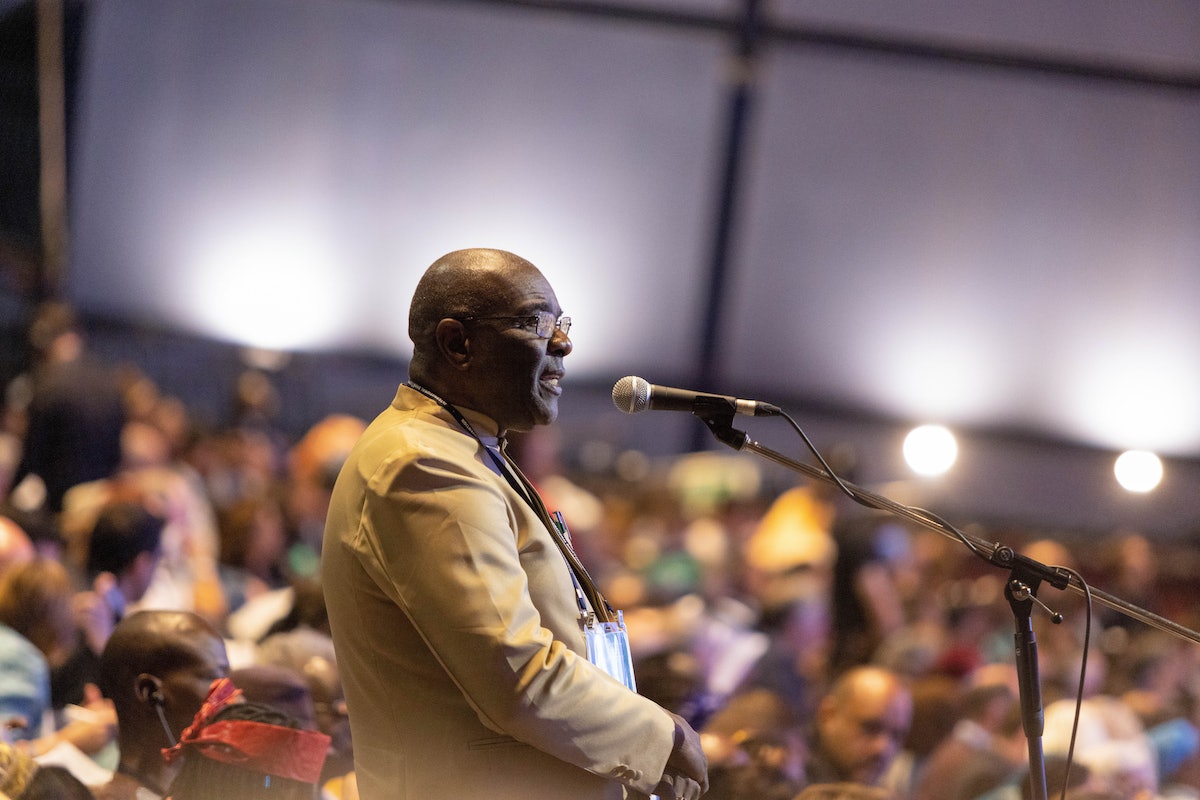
point(157, 668)
point(861, 725)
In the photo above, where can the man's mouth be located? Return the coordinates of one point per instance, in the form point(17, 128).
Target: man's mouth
point(551, 382)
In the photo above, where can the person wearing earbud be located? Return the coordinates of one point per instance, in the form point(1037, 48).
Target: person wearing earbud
point(472, 643)
point(157, 668)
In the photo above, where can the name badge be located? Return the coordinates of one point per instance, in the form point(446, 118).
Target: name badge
point(608, 648)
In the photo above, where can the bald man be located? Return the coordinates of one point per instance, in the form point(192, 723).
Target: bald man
point(452, 604)
point(157, 668)
point(860, 727)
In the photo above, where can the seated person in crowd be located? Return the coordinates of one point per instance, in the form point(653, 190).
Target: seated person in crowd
point(309, 653)
point(860, 726)
point(157, 668)
point(279, 688)
point(37, 632)
point(23, 778)
point(123, 551)
point(235, 749)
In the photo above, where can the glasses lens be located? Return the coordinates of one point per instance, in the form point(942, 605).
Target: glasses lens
point(546, 324)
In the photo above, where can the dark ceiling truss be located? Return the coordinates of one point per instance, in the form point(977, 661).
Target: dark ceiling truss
point(929, 49)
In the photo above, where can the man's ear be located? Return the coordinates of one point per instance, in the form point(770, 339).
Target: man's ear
point(453, 342)
point(149, 689)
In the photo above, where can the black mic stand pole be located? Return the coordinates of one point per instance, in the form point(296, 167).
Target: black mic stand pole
point(1021, 598)
point(1025, 576)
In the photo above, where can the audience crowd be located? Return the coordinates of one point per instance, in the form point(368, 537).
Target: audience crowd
point(823, 650)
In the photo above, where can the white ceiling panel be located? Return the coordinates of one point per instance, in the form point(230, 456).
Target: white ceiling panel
point(981, 248)
point(278, 173)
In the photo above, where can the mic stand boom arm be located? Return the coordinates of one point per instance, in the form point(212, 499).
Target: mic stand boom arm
point(1000, 555)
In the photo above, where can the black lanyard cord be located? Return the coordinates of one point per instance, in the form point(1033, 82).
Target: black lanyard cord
point(525, 489)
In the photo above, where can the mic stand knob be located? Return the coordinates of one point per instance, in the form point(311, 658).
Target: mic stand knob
point(1021, 592)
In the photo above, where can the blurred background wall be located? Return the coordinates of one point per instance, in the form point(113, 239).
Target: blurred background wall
point(874, 214)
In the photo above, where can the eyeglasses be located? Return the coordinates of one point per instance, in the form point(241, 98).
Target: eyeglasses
point(543, 323)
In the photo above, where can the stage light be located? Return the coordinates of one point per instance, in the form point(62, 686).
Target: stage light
point(930, 450)
point(266, 283)
point(1138, 470)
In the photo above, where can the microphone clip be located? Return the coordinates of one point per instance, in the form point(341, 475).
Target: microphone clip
point(720, 422)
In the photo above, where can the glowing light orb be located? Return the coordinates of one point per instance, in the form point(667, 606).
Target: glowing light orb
point(1138, 470)
point(930, 450)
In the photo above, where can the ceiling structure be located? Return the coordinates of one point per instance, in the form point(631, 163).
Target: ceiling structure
point(984, 214)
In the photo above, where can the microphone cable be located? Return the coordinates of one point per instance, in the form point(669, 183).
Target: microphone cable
point(882, 504)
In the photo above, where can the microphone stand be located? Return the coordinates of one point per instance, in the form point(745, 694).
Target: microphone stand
point(1025, 576)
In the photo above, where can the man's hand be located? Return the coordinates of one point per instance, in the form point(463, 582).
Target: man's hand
point(686, 774)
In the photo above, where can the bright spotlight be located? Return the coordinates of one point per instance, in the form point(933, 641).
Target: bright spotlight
point(1138, 470)
point(930, 450)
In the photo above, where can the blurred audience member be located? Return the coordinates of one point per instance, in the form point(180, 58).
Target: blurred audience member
point(54, 782)
point(299, 605)
point(16, 770)
point(76, 410)
point(123, 551)
point(791, 554)
point(860, 726)
point(157, 668)
point(754, 748)
point(310, 653)
point(796, 662)
point(278, 687)
point(868, 601)
point(1129, 560)
point(1111, 743)
point(984, 751)
point(36, 604)
point(252, 549)
point(246, 751)
point(313, 465)
point(24, 681)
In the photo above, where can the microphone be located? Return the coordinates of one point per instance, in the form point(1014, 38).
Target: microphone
point(634, 395)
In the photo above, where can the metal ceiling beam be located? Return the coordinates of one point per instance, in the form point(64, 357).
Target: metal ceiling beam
point(931, 49)
point(743, 79)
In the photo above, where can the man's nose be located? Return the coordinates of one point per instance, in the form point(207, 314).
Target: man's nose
point(560, 343)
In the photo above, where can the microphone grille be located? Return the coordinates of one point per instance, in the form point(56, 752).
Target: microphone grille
point(631, 394)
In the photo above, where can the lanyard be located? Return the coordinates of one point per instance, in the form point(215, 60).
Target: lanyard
point(523, 487)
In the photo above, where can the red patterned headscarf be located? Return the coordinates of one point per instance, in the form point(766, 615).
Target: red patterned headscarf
point(271, 749)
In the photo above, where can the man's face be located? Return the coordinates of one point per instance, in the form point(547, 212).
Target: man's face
point(184, 689)
point(862, 733)
point(518, 373)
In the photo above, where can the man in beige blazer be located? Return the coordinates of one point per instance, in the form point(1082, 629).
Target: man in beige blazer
point(454, 614)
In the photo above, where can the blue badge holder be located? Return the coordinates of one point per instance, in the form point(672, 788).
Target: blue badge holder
point(608, 648)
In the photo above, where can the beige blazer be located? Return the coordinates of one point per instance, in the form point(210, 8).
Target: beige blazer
point(457, 631)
